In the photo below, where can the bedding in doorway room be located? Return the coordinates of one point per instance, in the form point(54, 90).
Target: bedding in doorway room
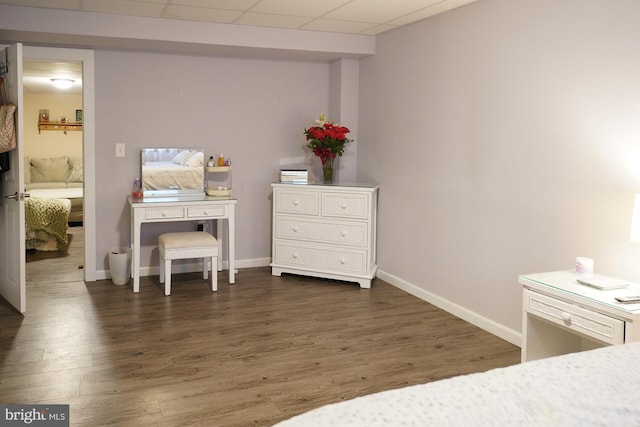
point(46, 220)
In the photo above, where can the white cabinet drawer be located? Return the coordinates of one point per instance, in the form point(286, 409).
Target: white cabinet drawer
point(164, 213)
point(345, 205)
point(345, 233)
point(587, 322)
point(329, 259)
point(296, 202)
point(206, 211)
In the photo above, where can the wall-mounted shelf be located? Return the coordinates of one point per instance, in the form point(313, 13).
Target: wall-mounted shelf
point(59, 126)
point(219, 181)
point(218, 168)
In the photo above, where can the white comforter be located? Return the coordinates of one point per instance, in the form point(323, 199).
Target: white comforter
point(168, 175)
point(594, 388)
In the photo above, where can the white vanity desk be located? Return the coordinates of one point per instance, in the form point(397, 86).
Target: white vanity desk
point(180, 208)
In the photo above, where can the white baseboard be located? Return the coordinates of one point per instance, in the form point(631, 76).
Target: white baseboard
point(190, 267)
point(507, 334)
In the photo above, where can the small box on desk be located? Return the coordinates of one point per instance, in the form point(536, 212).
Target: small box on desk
point(296, 176)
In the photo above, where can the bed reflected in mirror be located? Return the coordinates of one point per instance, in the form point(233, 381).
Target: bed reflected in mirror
point(172, 171)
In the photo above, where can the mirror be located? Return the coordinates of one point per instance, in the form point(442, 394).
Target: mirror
point(172, 171)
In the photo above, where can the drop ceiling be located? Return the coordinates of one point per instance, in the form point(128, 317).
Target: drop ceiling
point(367, 17)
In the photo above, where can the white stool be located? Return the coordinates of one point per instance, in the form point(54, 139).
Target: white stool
point(189, 244)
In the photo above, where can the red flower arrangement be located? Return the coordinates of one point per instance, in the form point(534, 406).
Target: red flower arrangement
point(327, 140)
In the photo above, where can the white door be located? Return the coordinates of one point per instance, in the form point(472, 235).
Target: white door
point(12, 232)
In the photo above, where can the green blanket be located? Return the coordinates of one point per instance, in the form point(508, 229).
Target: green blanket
point(45, 218)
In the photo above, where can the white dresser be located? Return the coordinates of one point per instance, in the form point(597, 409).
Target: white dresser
point(325, 231)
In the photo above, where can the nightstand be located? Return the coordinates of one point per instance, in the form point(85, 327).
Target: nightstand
point(560, 315)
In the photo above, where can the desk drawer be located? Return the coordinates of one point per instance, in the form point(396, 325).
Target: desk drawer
point(600, 327)
point(163, 213)
point(206, 211)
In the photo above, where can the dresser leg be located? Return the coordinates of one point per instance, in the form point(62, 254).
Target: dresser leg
point(365, 284)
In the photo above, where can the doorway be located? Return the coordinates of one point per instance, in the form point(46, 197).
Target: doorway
point(86, 59)
point(53, 144)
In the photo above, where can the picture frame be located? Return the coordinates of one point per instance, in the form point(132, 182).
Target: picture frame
point(79, 116)
point(43, 115)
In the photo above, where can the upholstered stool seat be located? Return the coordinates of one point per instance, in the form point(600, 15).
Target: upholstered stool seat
point(184, 245)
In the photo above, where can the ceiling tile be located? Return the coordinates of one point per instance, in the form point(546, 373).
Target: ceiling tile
point(217, 4)
point(123, 7)
point(298, 7)
point(337, 26)
point(378, 11)
point(201, 14)
point(267, 20)
point(430, 11)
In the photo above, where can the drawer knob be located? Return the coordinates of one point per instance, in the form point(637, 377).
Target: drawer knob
point(295, 255)
point(295, 229)
point(343, 261)
point(296, 202)
point(566, 317)
point(206, 213)
point(343, 233)
point(164, 214)
point(344, 206)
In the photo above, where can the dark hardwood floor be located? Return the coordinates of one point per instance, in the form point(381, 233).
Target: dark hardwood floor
point(251, 354)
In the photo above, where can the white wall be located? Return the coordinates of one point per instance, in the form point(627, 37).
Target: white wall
point(506, 139)
point(254, 111)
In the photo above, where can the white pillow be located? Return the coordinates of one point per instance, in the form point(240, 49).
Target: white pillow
point(181, 157)
point(75, 173)
point(195, 160)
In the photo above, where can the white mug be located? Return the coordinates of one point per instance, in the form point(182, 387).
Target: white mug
point(584, 266)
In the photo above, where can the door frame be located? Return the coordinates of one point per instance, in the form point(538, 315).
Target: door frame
point(86, 57)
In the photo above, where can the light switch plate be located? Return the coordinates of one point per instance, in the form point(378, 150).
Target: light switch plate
point(120, 150)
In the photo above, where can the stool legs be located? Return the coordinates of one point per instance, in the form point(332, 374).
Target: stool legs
point(214, 273)
point(165, 273)
point(167, 278)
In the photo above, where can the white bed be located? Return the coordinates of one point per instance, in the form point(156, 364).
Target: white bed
point(592, 388)
point(168, 175)
point(172, 169)
point(46, 223)
point(73, 194)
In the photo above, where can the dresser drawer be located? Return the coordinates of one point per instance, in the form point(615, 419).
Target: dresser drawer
point(206, 211)
point(346, 233)
point(163, 213)
point(345, 205)
point(296, 202)
point(329, 259)
point(589, 323)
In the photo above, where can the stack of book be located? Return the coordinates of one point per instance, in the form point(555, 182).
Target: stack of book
point(295, 176)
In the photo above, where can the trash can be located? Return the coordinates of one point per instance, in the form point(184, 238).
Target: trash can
point(120, 265)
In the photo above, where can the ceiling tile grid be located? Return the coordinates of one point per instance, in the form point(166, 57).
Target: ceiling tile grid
point(368, 17)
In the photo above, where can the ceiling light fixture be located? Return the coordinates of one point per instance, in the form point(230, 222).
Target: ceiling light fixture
point(62, 83)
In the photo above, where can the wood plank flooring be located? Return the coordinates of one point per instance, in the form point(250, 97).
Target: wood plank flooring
point(251, 354)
